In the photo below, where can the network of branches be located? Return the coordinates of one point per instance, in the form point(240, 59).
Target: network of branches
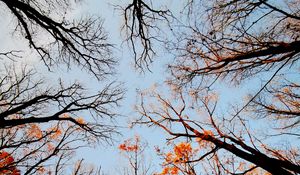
point(44, 123)
point(232, 43)
point(246, 44)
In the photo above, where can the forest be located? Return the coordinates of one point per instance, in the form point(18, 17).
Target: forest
point(145, 87)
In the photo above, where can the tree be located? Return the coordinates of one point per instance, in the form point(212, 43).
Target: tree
point(42, 125)
point(133, 150)
point(180, 160)
point(141, 28)
point(81, 41)
point(234, 42)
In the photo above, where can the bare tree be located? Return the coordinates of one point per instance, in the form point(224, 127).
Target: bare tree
point(141, 28)
point(81, 41)
point(41, 124)
point(133, 150)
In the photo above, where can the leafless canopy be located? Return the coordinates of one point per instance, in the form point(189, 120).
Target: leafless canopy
point(141, 27)
point(42, 124)
point(81, 41)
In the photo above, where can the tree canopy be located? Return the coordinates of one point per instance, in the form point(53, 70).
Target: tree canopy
point(42, 125)
point(232, 43)
point(219, 49)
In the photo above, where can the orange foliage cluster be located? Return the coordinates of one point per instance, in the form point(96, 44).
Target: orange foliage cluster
point(170, 170)
point(80, 120)
point(56, 132)
point(128, 146)
point(182, 153)
point(6, 164)
point(41, 170)
point(202, 142)
point(208, 132)
point(35, 131)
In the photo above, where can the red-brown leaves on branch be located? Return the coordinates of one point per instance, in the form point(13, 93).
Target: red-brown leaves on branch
point(130, 145)
point(7, 166)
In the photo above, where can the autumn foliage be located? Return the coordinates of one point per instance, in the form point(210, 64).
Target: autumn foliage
point(7, 164)
point(132, 150)
point(178, 160)
point(130, 145)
